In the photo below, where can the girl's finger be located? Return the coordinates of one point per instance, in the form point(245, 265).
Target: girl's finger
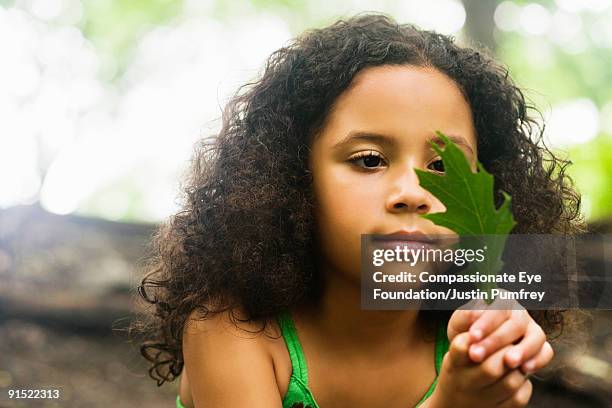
point(457, 355)
point(489, 371)
point(520, 398)
point(482, 327)
point(541, 360)
point(505, 387)
point(528, 347)
point(460, 321)
point(488, 322)
point(508, 332)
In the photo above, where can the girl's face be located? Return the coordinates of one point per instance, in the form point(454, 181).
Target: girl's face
point(362, 161)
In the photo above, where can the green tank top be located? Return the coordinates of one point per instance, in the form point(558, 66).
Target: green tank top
point(298, 391)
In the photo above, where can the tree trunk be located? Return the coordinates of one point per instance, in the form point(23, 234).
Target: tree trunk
point(479, 22)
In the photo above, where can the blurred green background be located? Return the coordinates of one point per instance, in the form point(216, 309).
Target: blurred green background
point(102, 100)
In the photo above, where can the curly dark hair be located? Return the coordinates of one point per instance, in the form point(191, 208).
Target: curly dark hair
point(244, 237)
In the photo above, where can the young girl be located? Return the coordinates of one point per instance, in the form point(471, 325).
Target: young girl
point(256, 282)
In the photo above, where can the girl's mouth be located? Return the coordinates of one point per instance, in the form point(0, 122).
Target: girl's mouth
point(409, 244)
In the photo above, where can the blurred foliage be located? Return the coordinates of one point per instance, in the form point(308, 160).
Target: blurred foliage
point(549, 71)
point(552, 72)
point(592, 174)
point(115, 26)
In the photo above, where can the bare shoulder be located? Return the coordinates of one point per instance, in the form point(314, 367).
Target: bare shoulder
point(223, 323)
point(224, 355)
point(228, 330)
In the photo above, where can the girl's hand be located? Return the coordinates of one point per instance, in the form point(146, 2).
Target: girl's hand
point(490, 354)
point(491, 329)
point(464, 383)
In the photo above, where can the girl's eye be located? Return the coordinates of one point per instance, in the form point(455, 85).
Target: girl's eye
point(370, 160)
point(437, 165)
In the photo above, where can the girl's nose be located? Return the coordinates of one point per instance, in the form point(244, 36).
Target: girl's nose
point(406, 195)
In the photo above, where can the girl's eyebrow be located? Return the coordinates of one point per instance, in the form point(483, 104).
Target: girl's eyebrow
point(365, 136)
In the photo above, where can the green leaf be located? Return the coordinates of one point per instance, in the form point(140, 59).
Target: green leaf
point(470, 206)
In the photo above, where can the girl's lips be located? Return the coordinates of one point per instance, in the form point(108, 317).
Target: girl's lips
point(406, 235)
point(402, 243)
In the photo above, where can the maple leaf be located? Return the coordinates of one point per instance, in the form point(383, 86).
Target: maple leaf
point(470, 206)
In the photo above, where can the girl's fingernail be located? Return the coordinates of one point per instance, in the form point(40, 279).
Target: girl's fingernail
point(530, 365)
point(515, 356)
point(476, 334)
point(478, 352)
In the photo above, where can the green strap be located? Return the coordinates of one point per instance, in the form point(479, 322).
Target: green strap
point(441, 349)
point(293, 346)
point(442, 345)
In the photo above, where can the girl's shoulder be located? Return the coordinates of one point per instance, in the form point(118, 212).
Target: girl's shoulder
point(232, 325)
point(246, 349)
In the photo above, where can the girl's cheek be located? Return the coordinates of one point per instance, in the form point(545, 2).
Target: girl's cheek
point(347, 204)
point(340, 223)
